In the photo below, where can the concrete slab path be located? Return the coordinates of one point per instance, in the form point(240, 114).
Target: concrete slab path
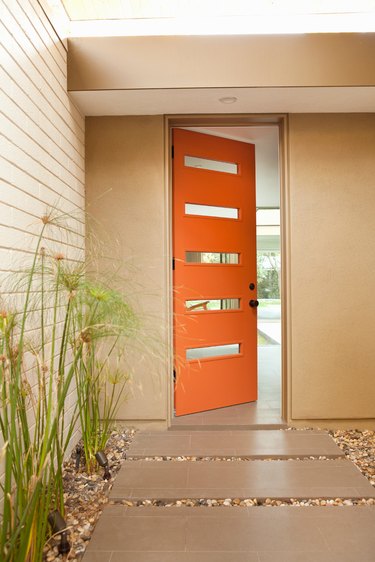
point(261, 534)
point(140, 480)
point(255, 444)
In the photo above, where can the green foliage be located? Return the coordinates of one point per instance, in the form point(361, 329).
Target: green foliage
point(268, 266)
point(106, 323)
point(33, 391)
point(66, 328)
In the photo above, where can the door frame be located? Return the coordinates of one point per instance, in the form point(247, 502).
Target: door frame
point(231, 120)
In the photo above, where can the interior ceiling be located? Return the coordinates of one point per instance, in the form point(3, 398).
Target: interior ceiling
point(264, 135)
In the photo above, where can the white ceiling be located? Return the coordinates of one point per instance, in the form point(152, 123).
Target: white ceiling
point(249, 100)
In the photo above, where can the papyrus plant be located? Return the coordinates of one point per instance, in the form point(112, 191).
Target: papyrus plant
point(107, 323)
point(55, 325)
point(36, 371)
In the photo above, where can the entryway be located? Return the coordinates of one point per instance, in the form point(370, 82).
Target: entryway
point(265, 408)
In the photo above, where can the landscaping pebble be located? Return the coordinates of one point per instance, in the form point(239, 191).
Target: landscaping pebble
point(85, 495)
point(359, 447)
point(247, 502)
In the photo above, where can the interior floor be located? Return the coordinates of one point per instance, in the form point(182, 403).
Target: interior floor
point(265, 411)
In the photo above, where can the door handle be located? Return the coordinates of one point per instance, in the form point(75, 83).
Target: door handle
point(253, 303)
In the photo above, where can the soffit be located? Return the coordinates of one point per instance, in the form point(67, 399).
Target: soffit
point(203, 101)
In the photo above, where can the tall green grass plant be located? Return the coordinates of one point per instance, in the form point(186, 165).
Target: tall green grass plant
point(57, 328)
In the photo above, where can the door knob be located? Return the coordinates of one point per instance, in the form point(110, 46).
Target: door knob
point(253, 303)
point(252, 286)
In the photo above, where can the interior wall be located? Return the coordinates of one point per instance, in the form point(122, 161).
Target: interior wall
point(41, 144)
point(332, 266)
point(125, 195)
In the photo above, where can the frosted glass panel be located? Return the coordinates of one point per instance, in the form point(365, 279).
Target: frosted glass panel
point(213, 304)
point(211, 211)
point(212, 351)
point(214, 165)
point(212, 257)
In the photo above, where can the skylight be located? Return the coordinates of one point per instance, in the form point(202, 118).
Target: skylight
point(193, 17)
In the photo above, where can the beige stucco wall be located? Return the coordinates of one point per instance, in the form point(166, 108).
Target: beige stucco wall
point(332, 266)
point(125, 194)
point(330, 197)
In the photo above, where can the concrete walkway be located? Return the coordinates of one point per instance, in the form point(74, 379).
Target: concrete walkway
point(252, 443)
point(235, 534)
point(237, 479)
point(280, 534)
point(271, 330)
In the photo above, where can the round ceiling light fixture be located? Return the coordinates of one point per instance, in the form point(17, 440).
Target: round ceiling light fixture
point(228, 99)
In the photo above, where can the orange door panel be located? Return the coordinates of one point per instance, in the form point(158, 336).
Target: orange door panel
point(214, 248)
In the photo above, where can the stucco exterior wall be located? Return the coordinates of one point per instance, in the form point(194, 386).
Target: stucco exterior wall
point(330, 197)
point(125, 196)
point(332, 266)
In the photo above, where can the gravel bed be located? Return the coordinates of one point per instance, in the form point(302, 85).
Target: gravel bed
point(359, 447)
point(247, 502)
point(85, 495)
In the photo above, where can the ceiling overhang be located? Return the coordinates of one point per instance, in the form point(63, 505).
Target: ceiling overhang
point(151, 75)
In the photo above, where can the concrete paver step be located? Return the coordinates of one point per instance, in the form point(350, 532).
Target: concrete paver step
point(141, 480)
point(255, 444)
point(256, 534)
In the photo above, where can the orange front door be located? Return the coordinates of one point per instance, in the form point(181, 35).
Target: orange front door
point(215, 324)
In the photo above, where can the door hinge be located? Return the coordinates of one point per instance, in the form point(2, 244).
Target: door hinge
point(172, 151)
point(173, 264)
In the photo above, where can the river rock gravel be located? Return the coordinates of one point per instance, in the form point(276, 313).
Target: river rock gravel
point(246, 502)
point(359, 447)
point(85, 496)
